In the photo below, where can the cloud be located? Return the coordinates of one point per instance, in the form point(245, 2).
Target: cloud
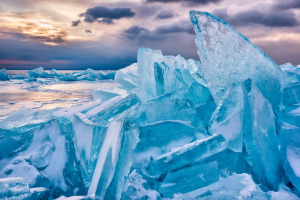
point(46, 35)
point(106, 15)
point(88, 31)
point(159, 33)
point(76, 23)
point(287, 4)
point(165, 14)
point(186, 2)
point(269, 17)
point(181, 27)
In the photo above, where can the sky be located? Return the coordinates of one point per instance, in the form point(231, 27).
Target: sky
point(106, 34)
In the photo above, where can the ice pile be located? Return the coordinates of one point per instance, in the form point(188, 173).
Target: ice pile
point(40, 75)
point(223, 128)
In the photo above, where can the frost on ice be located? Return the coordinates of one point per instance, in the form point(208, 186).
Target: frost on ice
point(224, 127)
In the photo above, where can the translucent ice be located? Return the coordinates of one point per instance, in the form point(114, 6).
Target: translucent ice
point(159, 138)
point(88, 139)
point(188, 154)
point(20, 168)
point(115, 189)
point(172, 106)
point(190, 178)
point(128, 77)
point(108, 93)
point(229, 57)
point(260, 137)
point(25, 120)
point(291, 94)
point(228, 118)
point(239, 186)
point(109, 75)
point(134, 188)
point(3, 75)
point(291, 74)
point(116, 108)
point(36, 73)
point(107, 160)
point(289, 138)
point(14, 189)
point(40, 193)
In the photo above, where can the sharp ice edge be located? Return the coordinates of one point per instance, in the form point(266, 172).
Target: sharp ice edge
point(225, 127)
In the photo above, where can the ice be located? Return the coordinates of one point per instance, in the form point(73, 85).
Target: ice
point(187, 154)
point(36, 73)
point(88, 139)
point(134, 188)
point(228, 57)
point(128, 77)
point(190, 178)
point(260, 137)
point(290, 151)
point(108, 93)
point(203, 102)
point(291, 94)
point(228, 118)
point(238, 186)
point(107, 160)
point(20, 168)
point(25, 120)
point(115, 189)
point(109, 75)
point(291, 74)
point(58, 163)
point(172, 106)
point(116, 108)
point(40, 193)
point(14, 189)
point(159, 138)
point(3, 75)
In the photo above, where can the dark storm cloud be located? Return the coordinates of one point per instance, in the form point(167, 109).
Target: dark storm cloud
point(181, 27)
point(165, 14)
point(106, 15)
point(76, 23)
point(269, 18)
point(186, 2)
point(159, 33)
point(287, 4)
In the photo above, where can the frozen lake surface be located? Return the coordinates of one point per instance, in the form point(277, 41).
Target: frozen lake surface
point(16, 94)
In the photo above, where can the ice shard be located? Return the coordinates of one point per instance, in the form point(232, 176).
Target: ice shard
point(289, 138)
point(228, 57)
point(172, 106)
point(135, 188)
point(187, 154)
point(20, 168)
point(228, 118)
point(190, 178)
point(130, 140)
point(108, 93)
point(128, 77)
point(161, 137)
point(40, 193)
point(14, 189)
point(88, 139)
point(291, 94)
point(3, 75)
point(238, 186)
point(260, 140)
point(107, 160)
point(128, 106)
